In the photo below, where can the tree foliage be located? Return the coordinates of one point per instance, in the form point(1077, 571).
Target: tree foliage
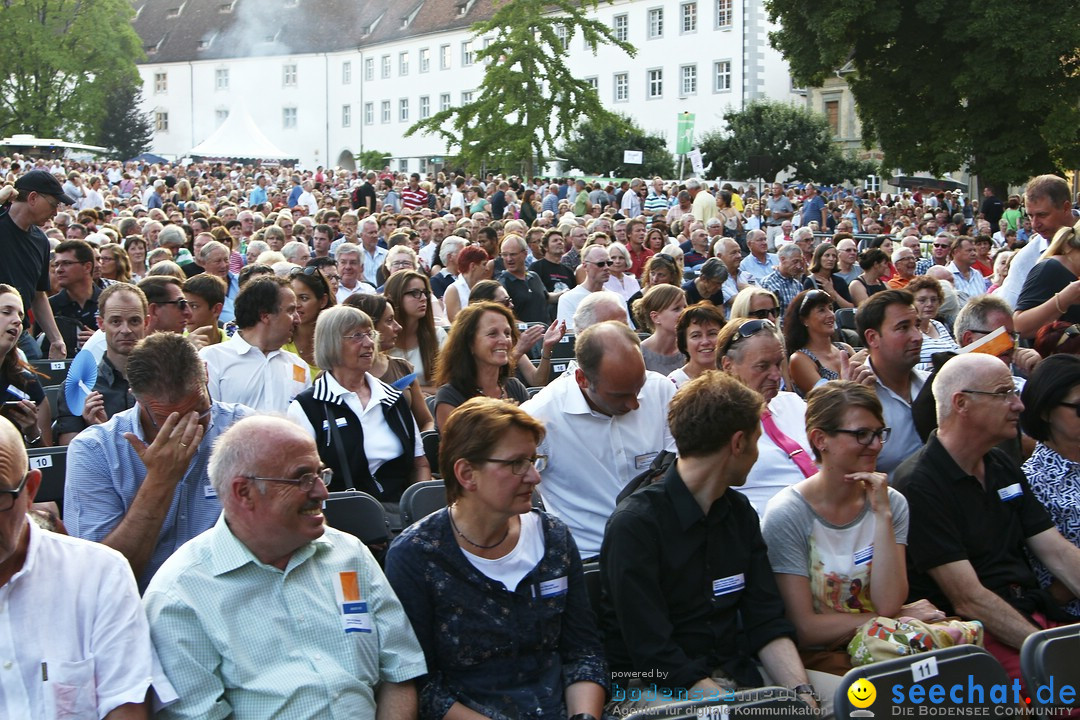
point(529, 99)
point(372, 160)
point(942, 84)
point(766, 138)
point(596, 147)
point(127, 130)
point(60, 61)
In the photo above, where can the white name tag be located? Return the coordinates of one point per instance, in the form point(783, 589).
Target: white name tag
point(17, 392)
point(209, 491)
point(1010, 493)
point(861, 557)
point(643, 461)
point(340, 422)
point(728, 585)
point(354, 612)
point(550, 588)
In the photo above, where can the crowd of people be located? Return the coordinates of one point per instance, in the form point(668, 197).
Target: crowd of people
point(781, 418)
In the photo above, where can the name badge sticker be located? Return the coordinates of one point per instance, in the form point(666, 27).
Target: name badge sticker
point(728, 585)
point(340, 422)
point(1011, 492)
point(16, 392)
point(354, 613)
point(643, 461)
point(299, 374)
point(209, 491)
point(861, 557)
point(550, 588)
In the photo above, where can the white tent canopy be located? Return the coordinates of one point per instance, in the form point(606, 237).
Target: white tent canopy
point(239, 137)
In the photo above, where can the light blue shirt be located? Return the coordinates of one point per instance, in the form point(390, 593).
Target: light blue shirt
point(227, 311)
point(758, 269)
point(372, 263)
point(239, 638)
point(257, 196)
point(968, 287)
point(104, 474)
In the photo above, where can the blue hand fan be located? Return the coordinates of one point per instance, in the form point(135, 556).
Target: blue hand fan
point(81, 377)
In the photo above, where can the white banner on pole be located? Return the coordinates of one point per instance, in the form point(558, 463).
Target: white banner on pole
point(633, 157)
point(696, 161)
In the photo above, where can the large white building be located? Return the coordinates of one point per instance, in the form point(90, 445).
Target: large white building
point(327, 79)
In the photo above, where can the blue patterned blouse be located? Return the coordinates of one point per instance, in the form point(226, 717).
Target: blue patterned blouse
point(1056, 483)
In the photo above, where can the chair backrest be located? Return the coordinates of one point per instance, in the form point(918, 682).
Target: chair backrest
point(845, 318)
point(592, 585)
point(52, 394)
point(421, 499)
point(564, 349)
point(1048, 659)
point(52, 462)
point(359, 514)
point(55, 371)
point(759, 702)
point(946, 667)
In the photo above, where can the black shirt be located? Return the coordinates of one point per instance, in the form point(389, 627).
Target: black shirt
point(529, 296)
point(63, 305)
point(115, 393)
point(1046, 278)
point(24, 259)
point(693, 295)
point(685, 593)
point(363, 193)
point(555, 276)
point(953, 518)
point(498, 205)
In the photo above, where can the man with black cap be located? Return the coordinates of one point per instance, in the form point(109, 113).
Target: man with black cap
point(24, 252)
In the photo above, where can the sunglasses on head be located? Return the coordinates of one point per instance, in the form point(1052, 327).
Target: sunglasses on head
point(749, 329)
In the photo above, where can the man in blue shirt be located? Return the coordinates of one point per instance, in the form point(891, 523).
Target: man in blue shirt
point(258, 193)
point(813, 208)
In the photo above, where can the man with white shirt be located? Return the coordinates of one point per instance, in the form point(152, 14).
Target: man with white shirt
point(74, 637)
point(968, 281)
point(373, 253)
point(1046, 200)
point(597, 273)
point(603, 428)
point(351, 272)
point(760, 262)
point(251, 368)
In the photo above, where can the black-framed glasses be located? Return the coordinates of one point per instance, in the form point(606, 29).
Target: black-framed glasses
point(1001, 394)
point(8, 497)
point(181, 304)
point(749, 329)
point(69, 263)
point(601, 263)
point(417, 294)
point(866, 436)
point(1014, 335)
point(520, 466)
point(764, 313)
point(305, 482)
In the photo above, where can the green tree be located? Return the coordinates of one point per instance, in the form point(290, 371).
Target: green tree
point(596, 147)
point(61, 58)
point(127, 131)
point(984, 83)
point(529, 99)
point(766, 138)
point(372, 160)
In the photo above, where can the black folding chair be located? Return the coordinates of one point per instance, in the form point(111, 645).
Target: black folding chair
point(564, 349)
point(52, 462)
point(55, 371)
point(1048, 659)
point(946, 667)
point(359, 514)
point(421, 499)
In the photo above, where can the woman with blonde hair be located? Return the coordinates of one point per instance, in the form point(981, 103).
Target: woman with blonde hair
point(1052, 290)
point(622, 281)
point(658, 312)
point(115, 264)
point(755, 302)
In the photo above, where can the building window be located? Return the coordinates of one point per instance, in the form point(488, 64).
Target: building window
point(656, 83)
point(466, 97)
point(468, 57)
point(444, 102)
point(161, 83)
point(288, 75)
point(221, 79)
point(689, 17)
point(594, 82)
point(423, 166)
point(622, 87)
point(656, 23)
point(832, 112)
point(403, 64)
point(385, 66)
point(346, 116)
point(561, 34)
point(161, 121)
point(346, 72)
point(444, 57)
point(688, 80)
point(220, 116)
point(722, 76)
point(386, 111)
point(425, 59)
point(369, 68)
point(403, 165)
point(369, 113)
point(425, 107)
point(723, 13)
point(403, 110)
point(621, 26)
point(288, 118)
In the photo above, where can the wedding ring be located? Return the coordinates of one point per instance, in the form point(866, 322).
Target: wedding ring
point(183, 445)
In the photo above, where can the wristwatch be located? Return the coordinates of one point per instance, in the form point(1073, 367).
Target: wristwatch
point(806, 689)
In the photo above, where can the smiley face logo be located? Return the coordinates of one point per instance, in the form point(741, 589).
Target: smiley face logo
point(862, 693)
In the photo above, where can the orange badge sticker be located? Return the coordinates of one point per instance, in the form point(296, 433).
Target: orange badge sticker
point(298, 374)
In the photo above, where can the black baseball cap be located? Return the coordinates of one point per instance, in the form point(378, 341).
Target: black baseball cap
point(43, 183)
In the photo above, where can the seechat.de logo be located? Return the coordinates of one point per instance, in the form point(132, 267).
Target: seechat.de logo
point(862, 693)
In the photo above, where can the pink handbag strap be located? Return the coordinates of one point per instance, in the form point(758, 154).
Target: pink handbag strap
point(797, 454)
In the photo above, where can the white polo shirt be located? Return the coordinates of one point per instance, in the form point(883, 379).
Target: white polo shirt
point(591, 456)
point(241, 373)
point(774, 470)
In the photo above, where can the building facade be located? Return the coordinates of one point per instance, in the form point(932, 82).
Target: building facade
point(328, 79)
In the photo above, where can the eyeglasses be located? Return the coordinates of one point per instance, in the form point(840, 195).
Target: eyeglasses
point(765, 313)
point(601, 263)
point(205, 414)
point(67, 263)
point(941, 245)
point(8, 497)
point(1014, 335)
point(749, 329)
point(402, 264)
point(417, 294)
point(181, 305)
point(1002, 394)
point(360, 336)
point(508, 255)
point(305, 482)
point(866, 436)
point(520, 466)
